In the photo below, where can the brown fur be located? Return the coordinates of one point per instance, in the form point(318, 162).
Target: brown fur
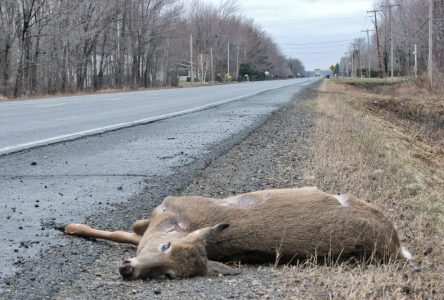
point(296, 223)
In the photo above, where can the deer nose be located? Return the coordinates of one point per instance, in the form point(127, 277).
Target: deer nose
point(126, 270)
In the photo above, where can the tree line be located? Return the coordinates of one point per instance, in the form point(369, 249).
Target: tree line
point(407, 23)
point(59, 46)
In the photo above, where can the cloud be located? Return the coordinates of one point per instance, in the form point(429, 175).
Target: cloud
point(302, 9)
point(299, 27)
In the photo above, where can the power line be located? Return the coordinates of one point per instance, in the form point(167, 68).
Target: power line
point(319, 43)
point(313, 60)
point(306, 21)
point(420, 27)
point(308, 47)
point(327, 51)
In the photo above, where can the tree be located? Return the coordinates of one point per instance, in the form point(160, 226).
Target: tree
point(409, 27)
point(337, 69)
point(57, 46)
point(296, 67)
point(8, 34)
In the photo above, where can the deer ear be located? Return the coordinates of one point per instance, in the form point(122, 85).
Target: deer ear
point(216, 268)
point(218, 228)
point(208, 233)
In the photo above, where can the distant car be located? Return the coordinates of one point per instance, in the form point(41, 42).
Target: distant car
point(317, 72)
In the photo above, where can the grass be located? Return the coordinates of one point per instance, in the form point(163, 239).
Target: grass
point(390, 281)
point(86, 92)
point(412, 109)
point(372, 81)
point(355, 150)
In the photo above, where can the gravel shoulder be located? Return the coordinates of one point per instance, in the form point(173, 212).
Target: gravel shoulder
point(272, 156)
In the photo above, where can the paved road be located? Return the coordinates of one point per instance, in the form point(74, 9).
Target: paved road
point(69, 181)
point(26, 124)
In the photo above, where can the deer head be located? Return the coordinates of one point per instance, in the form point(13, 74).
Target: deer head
point(176, 256)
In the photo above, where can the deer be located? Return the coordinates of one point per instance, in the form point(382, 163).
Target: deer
point(194, 236)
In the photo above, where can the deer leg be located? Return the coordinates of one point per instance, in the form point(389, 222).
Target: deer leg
point(116, 236)
point(140, 226)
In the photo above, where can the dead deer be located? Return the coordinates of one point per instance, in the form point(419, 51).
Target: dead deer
point(190, 236)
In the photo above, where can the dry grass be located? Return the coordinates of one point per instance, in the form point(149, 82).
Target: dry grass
point(355, 151)
point(413, 109)
point(312, 281)
point(81, 93)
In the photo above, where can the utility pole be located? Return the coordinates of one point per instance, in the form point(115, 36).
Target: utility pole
point(368, 51)
point(377, 40)
point(212, 66)
point(353, 56)
point(228, 59)
point(390, 6)
point(430, 64)
point(237, 62)
point(416, 62)
point(191, 59)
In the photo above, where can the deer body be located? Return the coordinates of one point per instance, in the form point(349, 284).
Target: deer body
point(290, 223)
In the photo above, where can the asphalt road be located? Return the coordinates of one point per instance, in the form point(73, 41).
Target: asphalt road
point(26, 124)
point(51, 185)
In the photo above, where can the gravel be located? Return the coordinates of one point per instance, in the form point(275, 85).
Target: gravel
point(271, 156)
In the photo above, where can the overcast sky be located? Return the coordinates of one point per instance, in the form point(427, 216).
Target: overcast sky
point(296, 25)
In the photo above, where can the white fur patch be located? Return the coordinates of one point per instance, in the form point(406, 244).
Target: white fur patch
point(342, 199)
point(179, 227)
point(160, 208)
point(406, 253)
point(229, 201)
point(240, 201)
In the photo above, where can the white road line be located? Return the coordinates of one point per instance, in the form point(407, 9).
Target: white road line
point(76, 135)
point(51, 105)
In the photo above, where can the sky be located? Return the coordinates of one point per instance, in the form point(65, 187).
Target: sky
point(318, 32)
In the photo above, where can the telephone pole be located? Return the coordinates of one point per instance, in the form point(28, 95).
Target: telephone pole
point(228, 59)
point(368, 51)
point(212, 65)
point(353, 67)
point(416, 61)
point(237, 63)
point(430, 64)
point(191, 59)
point(390, 6)
point(377, 39)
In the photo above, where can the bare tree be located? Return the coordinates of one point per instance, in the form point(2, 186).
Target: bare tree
point(409, 26)
point(57, 46)
point(8, 34)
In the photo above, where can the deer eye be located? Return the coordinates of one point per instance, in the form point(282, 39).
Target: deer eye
point(165, 247)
